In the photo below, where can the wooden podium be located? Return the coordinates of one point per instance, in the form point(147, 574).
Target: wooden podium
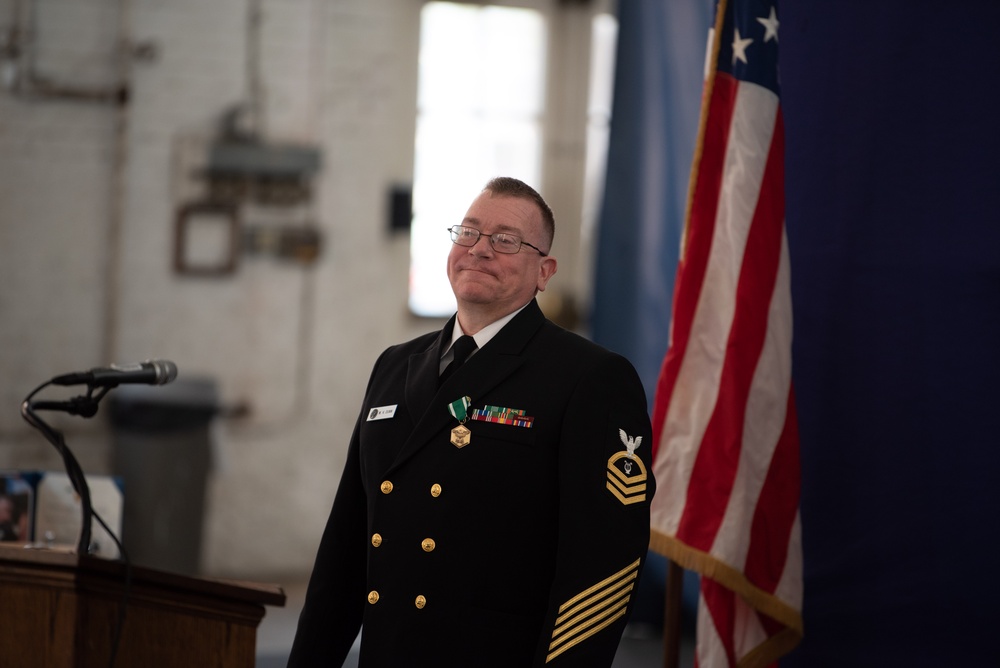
point(59, 610)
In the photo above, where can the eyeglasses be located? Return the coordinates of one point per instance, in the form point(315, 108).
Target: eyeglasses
point(501, 242)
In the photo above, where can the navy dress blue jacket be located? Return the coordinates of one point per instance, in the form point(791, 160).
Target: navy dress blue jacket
point(520, 548)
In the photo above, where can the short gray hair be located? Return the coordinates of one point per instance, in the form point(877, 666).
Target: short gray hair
point(506, 186)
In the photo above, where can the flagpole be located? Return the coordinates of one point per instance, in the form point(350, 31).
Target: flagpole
point(675, 574)
point(672, 616)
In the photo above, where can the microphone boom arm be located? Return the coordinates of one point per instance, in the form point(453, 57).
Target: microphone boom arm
point(101, 381)
point(73, 469)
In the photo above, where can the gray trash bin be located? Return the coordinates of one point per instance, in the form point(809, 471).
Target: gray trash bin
point(162, 452)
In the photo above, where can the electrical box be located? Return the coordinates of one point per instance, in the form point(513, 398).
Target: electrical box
point(262, 161)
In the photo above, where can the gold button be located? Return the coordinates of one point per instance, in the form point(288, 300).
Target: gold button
point(373, 597)
point(376, 539)
point(428, 545)
point(386, 487)
point(420, 602)
point(435, 490)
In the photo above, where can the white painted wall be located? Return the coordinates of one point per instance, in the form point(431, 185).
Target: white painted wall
point(88, 195)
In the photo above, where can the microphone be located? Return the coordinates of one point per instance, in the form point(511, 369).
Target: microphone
point(150, 372)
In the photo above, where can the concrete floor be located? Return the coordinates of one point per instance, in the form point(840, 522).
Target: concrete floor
point(640, 648)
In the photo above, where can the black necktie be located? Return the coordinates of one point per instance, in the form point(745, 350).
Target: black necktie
point(462, 349)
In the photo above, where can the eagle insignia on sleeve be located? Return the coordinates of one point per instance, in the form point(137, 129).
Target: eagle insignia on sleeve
point(626, 472)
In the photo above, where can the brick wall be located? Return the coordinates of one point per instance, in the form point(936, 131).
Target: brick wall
point(292, 342)
point(89, 193)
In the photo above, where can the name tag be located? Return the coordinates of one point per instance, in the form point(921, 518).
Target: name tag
point(382, 413)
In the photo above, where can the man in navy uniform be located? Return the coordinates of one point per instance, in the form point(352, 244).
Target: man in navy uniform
point(494, 507)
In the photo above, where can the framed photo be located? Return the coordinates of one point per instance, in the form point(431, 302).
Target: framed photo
point(17, 507)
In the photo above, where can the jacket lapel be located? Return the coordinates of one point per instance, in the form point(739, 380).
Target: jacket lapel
point(422, 374)
point(491, 364)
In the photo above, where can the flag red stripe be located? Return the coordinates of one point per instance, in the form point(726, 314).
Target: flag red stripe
point(777, 502)
point(721, 605)
point(698, 242)
point(718, 457)
point(777, 506)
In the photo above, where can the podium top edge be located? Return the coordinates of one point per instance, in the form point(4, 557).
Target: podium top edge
point(84, 568)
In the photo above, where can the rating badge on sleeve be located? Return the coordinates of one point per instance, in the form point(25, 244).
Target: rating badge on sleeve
point(626, 472)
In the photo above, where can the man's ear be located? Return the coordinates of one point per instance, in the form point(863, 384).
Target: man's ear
point(546, 270)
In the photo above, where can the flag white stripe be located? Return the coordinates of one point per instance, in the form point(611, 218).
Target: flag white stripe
point(748, 632)
point(709, 648)
point(768, 404)
point(789, 587)
point(697, 387)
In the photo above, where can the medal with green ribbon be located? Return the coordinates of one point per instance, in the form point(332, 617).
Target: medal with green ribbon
point(460, 435)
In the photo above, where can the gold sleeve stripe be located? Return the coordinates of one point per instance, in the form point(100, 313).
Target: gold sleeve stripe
point(581, 621)
point(592, 602)
point(589, 618)
point(634, 566)
point(577, 641)
point(593, 609)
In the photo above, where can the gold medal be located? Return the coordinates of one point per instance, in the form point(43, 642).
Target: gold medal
point(460, 436)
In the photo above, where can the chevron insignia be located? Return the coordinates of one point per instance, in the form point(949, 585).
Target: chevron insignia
point(627, 473)
point(592, 610)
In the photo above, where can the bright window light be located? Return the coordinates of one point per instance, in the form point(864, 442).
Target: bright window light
point(604, 38)
point(480, 101)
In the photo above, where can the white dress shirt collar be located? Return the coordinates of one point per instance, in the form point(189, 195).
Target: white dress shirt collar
point(482, 337)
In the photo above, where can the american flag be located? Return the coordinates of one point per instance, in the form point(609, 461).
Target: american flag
point(726, 446)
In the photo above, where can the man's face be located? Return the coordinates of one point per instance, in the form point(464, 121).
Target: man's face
point(500, 282)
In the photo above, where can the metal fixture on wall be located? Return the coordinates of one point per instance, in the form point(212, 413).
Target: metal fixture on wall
point(266, 174)
point(400, 208)
point(296, 244)
point(242, 176)
point(218, 214)
point(244, 197)
point(261, 189)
